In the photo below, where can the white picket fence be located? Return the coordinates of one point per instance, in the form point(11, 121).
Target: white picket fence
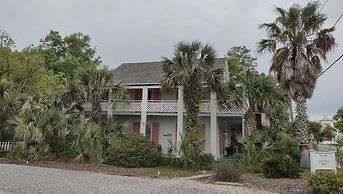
point(4, 146)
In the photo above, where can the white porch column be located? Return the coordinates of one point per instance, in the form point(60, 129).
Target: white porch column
point(144, 107)
point(180, 108)
point(109, 105)
point(214, 146)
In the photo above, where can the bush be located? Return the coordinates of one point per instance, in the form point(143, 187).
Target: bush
point(280, 166)
point(62, 148)
point(326, 181)
point(134, 150)
point(254, 150)
point(190, 150)
point(288, 145)
point(3, 153)
point(208, 162)
point(18, 152)
point(226, 171)
point(88, 143)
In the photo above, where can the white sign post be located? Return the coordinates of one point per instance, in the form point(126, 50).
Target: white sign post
point(322, 160)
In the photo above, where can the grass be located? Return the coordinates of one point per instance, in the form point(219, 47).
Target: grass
point(170, 171)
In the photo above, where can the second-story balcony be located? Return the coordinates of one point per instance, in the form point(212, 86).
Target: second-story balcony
point(160, 106)
point(133, 106)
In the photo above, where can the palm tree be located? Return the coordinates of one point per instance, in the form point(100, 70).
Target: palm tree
point(297, 41)
point(98, 84)
point(247, 89)
point(255, 92)
point(192, 67)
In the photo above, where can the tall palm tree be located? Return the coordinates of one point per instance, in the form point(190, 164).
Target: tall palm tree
point(192, 67)
point(298, 41)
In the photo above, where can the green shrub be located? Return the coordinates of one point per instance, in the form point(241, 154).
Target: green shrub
point(88, 142)
point(18, 152)
point(288, 145)
point(134, 150)
point(62, 148)
point(226, 171)
point(208, 162)
point(3, 153)
point(280, 166)
point(326, 181)
point(190, 150)
point(254, 150)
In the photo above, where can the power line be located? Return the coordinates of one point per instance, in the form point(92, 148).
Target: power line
point(330, 66)
point(338, 20)
point(323, 6)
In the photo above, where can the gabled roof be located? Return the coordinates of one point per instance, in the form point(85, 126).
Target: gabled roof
point(147, 72)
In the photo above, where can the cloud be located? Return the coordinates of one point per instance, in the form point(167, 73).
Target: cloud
point(145, 30)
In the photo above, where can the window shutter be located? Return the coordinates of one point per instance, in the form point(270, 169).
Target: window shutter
point(136, 127)
point(155, 133)
point(138, 94)
point(157, 94)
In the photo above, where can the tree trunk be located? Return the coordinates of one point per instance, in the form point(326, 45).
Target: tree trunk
point(192, 119)
point(302, 130)
point(96, 112)
point(301, 124)
point(193, 95)
point(250, 123)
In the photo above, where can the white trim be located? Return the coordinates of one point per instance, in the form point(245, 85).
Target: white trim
point(152, 85)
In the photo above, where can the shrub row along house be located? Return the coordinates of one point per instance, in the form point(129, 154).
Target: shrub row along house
point(160, 115)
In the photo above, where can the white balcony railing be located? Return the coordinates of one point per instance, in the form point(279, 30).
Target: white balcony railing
point(132, 106)
point(88, 106)
point(205, 107)
point(161, 106)
point(167, 106)
point(234, 110)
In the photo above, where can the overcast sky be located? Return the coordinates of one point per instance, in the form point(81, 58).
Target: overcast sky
point(145, 30)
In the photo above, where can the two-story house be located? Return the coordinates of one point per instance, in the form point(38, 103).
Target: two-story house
point(160, 115)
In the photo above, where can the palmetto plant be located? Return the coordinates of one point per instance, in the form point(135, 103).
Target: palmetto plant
point(298, 41)
point(88, 142)
point(192, 67)
point(254, 151)
point(38, 120)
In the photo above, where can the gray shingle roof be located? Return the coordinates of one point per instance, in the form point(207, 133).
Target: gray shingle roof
point(147, 72)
